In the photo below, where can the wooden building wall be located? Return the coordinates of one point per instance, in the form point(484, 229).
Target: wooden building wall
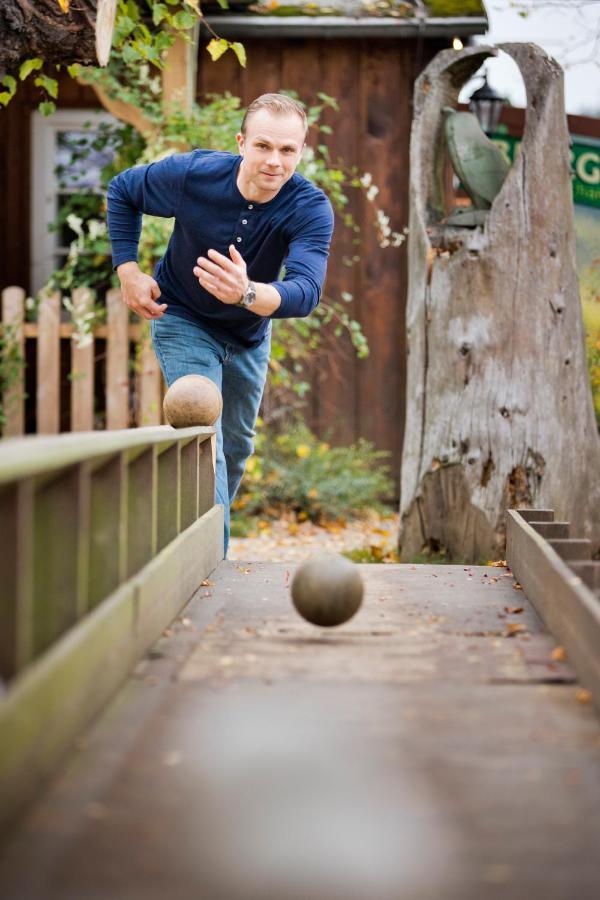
point(373, 81)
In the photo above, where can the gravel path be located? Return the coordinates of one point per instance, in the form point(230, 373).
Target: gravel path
point(285, 539)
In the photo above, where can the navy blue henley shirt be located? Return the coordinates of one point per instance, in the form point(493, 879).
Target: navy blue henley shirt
point(199, 190)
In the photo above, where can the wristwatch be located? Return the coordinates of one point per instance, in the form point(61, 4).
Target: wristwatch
point(249, 297)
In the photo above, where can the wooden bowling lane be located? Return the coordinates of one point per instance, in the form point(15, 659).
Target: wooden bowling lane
point(432, 747)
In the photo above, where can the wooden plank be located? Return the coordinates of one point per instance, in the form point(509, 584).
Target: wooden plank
point(262, 74)
point(568, 607)
point(108, 533)
point(301, 72)
point(9, 577)
point(82, 367)
point(384, 126)
point(48, 365)
point(168, 508)
point(171, 578)
point(13, 316)
point(149, 386)
point(66, 330)
point(214, 78)
point(24, 457)
point(117, 361)
point(56, 528)
point(189, 470)
point(338, 375)
point(15, 190)
point(141, 509)
point(56, 697)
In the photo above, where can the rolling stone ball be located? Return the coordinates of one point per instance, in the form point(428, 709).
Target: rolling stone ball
point(192, 400)
point(327, 590)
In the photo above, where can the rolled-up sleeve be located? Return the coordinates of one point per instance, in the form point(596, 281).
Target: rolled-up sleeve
point(155, 189)
point(306, 262)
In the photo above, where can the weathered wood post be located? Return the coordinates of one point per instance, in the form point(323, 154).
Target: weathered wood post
point(499, 407)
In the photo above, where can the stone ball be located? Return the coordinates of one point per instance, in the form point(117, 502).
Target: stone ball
point(192, 400)
point(327, 590)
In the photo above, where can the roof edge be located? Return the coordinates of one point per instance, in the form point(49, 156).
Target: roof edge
point(244, 26)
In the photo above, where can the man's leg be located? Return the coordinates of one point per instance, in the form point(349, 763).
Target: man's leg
point(184, 348)
point(244, 376)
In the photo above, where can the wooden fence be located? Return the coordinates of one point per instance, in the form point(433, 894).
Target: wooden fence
point(105, 537)
point(133, 384)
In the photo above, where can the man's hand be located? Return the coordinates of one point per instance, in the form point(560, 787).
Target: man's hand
point(140, 291)
point(225, 279)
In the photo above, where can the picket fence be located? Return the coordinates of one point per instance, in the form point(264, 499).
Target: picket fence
point(134, 387)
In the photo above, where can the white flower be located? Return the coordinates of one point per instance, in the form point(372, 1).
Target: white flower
point(372, 192)
point(347, 297)
point(75, 223)
point(366, 179)
point(96, 228)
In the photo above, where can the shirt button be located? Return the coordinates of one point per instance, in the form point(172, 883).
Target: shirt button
point(250, 206)
point(244, 221)
point(239, 240)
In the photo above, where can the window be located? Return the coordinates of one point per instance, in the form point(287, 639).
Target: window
point(59, 172)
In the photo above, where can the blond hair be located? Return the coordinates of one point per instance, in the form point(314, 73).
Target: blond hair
point(279, 104)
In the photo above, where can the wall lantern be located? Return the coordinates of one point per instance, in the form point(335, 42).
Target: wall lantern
point(487, 105)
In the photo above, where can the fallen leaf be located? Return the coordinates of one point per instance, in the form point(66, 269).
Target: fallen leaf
point(517, 587)
point(513, 610)
point(501, 563)
point(583, 696)
point(559, 654)
point(513, 628)
point(207, 583)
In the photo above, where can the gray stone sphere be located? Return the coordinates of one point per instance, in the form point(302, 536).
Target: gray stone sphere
point(192, 400)
point(327, 590)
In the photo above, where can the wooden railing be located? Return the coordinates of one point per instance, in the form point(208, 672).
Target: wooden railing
point(105, 536)
point(133, 381)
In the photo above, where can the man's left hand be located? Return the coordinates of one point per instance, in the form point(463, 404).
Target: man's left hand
point(225, 279)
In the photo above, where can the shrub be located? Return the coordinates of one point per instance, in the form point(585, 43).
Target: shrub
point(295, 471)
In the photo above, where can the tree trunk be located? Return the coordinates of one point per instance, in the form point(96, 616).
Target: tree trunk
point(499, 406)
point(30, 28)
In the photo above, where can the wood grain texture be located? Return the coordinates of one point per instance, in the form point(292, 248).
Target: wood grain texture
point(117, 361)
point(82, 366)
point(48, 365)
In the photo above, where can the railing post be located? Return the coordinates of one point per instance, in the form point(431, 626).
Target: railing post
point(168, 504)
point(108, 528)
point(190, 457)
point(48, 365)
point(82, 366)
point(16, 577)
point(149, 381)
point(141, 507)
point(117, 361)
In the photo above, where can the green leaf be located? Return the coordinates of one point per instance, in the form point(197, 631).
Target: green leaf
point(9, 82)
point(159, 11)
point(50, 85)
point(217, 47)
point(48, 108)
point(74, 70)
point(240, 52)
point(29, 66)
point(130, 54)
point(223, 4)
point(184, 20)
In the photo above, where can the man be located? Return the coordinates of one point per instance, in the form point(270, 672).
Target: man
point(238, 218)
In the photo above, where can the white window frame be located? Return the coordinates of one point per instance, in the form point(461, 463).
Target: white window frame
point(44, 184)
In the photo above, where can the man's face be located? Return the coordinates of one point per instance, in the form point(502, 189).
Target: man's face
point(271, 151)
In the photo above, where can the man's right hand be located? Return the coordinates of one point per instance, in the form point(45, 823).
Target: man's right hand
point(140, 292)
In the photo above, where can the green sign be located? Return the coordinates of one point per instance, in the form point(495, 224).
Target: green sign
point(585, 166)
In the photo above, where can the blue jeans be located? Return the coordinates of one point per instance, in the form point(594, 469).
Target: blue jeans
point(185, 348)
